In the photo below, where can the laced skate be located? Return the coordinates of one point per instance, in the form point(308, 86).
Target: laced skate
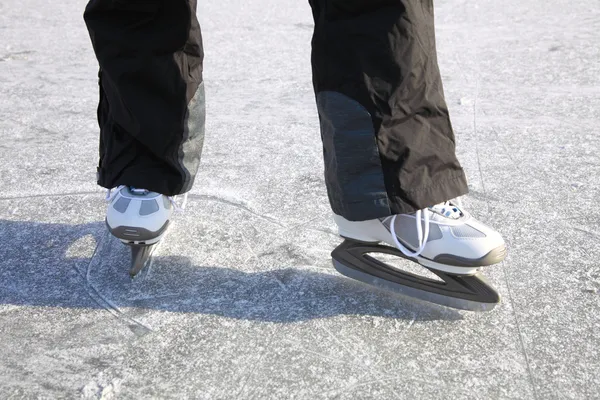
point(443, 238)
point(139, 218)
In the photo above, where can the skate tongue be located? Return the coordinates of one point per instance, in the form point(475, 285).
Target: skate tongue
point(137, 191)
point(447, 210)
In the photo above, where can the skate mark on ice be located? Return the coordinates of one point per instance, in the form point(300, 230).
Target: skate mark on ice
point(17, 55)
point(326, 231)
point(48, 130)
point(304, 26)
point(487, 202)
point(298, 346)
point(462, 68)
point(254, 368)
point(34, 196)
point(360, 382)
point(237, 205)
point(252, 372)
point(280, 283)
point(368, 378)
point(303, 225)
point(593, 276)
point(355, 356)
point(372, 369)
point(138, 328)
point(412, 321)
point(139, 299)
point(477, 151)
point(253, 253)
point(290, 251)
point(388, 378)
point(591, 233)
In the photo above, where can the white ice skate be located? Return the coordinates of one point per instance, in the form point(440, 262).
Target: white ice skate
point(443, 238)
point(139, 218)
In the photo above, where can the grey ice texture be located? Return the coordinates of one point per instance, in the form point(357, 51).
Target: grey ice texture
point(242, 300)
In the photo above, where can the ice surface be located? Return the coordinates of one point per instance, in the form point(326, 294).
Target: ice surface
point(242, 300)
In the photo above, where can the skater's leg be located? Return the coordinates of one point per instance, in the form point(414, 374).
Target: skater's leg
point(389, 151)
point(388, 142)
point(387, 138)
point(151, 111)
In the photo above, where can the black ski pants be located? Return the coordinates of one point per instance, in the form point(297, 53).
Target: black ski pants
point(388, 143)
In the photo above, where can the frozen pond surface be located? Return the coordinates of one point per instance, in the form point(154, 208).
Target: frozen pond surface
point(242, 300)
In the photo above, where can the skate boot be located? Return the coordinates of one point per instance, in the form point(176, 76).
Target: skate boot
point(139, 218)
point(443, 238)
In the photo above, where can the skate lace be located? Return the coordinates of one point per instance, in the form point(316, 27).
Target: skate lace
point(422, 217)
point(111, 193)
point(423, 236)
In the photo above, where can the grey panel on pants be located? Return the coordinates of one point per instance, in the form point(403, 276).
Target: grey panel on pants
point(193, 138)
point(353, 170)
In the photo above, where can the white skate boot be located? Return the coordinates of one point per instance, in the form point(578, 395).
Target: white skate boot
point(443, 238)
point(139, 218)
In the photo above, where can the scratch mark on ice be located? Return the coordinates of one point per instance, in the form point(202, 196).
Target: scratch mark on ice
point(136, 327)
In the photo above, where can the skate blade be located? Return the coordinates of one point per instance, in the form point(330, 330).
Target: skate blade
point(413, 293)
point(466, 292)
point(141, 257)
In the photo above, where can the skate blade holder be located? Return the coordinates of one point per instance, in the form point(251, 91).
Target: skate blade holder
point(465, 292)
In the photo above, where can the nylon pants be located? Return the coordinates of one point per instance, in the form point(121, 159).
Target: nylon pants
point(388, 143)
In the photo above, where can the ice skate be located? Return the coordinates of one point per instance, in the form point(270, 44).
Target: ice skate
point(444, 238)
point(139, 218)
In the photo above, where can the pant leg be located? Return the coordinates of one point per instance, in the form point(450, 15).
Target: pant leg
point(387, 138)
point(151, 111)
